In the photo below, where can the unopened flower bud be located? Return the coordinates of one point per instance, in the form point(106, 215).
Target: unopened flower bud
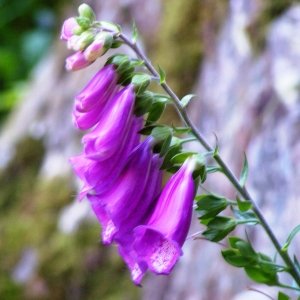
point(77, 61)
point(84, 40)
point(87, 12)
point(99, 46)
point(67, 29)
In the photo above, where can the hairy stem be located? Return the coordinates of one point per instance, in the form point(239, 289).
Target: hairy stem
point(226, 170)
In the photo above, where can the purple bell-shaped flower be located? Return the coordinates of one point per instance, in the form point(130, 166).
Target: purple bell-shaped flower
point(107, 137)
point(158, 243)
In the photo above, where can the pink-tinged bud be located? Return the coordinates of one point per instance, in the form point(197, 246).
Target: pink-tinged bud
point(67, 29)
point(77, 62)
point(100, 45)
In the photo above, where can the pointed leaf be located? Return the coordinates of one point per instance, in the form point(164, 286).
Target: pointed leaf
point(165, 146)
point(135, 33)
point(162, 75)
point(155, 111)
point(186, 99)
point(290, 238)
point(244, 174)
point(243, 205)
point(234, 259)
point(261, 276)
point(161, 133)
point(181, 130)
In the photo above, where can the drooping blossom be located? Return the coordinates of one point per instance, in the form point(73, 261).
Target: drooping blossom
point(105, 139)
point(99, 175)
point(91, 102)
point(158, 242)
point(98, 90)
point(125, 196)
point(77, 62)
point(124, 237)
point(67, 28)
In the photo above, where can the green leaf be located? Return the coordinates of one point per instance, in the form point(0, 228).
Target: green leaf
point(282, 296)
point(111, 26)
point(218, 228)
point(243, 205)
point(234, 259)
point(209, 205)
point(135, 33)
point(186, 99)
point(216, 147)
point(244, 174)
point(181, 130)
point(261, 276)
point(162, 75)
point(213, 169)
point(246, 217)
point(290, 238)
point(296, 262)
point(246, 249)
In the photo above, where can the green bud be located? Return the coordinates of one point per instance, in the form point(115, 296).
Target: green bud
point(87, 12)
point(78, 30)
point(83, 22)
point(84, 40)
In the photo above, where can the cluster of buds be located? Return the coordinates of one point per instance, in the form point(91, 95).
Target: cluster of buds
point(120, 171)
point(86, 37)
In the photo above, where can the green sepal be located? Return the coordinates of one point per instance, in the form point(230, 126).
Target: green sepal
point(209, 205)
point(244, 173)
point(200, 170)
point(243, 205)
point(116, 44)
point(173, 169)
point(155, 112)
point(173, 150)
point(282, 296)
point(290, 238)
point(141, 81)
point(162, 99)
point(218, 228)
point(246, 250)
point(161, 133)
point(181, 157)
point(165, 146)
point(134, 34)
point(110, 26)
point(259, 275)
point(162, 75)
point(186, 99)
point(83, 22)
point(146, 130)
point(216, 149)
point(143, 103)
point(296, 262)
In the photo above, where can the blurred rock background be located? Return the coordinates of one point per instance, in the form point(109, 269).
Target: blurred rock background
point(242, 57)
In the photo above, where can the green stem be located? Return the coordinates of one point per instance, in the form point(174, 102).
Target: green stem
point(226, 170)
point(288, 287)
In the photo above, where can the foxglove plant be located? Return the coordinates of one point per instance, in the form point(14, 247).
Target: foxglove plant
point(122, 176)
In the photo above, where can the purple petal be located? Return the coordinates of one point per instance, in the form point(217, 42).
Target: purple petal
point(98, 90)
point(105, 139)
point(77, 62)
point(153, 247)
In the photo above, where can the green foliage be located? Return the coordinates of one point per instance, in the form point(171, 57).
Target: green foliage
point(282, 296)
point(290, 238)
point(244, 173)
point(208, 205)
